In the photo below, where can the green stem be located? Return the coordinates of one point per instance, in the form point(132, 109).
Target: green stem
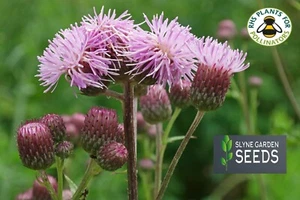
point(253, 108)
point(229, 183)
point(48, 185)
point(285, 82)
point(158, 164)
point(114, 94)
point(60, 168)
point(169, 127)
point(240, 98)
point(263, 187)
point(91, 171)
point(244, 101)
point(163, 142)
point(178, 154)
point(226, 161)
point(295, 4)
point(146, 186)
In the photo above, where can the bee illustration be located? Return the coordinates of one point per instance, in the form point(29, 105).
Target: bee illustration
point(269, 28)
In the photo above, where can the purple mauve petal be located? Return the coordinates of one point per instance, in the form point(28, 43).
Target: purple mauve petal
point(163, 53)
point(77, 54)
point(213, 54)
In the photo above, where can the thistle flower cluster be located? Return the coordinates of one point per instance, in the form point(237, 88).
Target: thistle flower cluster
point(103, 137)
point(40, 140)
point(106, 47)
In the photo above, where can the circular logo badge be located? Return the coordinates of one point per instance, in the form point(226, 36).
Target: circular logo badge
point(269, 26)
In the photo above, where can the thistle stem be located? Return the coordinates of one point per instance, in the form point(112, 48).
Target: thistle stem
point(163, 143)
point(48, 185)
point(169, 127)
point(91, 171)
point(285, 82)
point(114, 94)
point(130, 137)
point(253, 108)
point(229, 183)
point(59, 168)
point(244, 100)
point(178, 154)
point(146, 186)
point(158, 165)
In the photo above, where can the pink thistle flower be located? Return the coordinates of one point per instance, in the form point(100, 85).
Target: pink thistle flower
point(78, 54)
point(217, 63)
point(114, 30)
point(163, 53)
point(213, 54)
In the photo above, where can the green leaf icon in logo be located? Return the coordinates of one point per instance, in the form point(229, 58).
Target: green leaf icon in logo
point(226, 145)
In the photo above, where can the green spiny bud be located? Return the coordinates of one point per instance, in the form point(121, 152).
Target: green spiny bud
point(100, 127)
point(56, 125)
point(180, 94)
point(209, 87)
point(155, 106)
point(64, 149)
point(112, 156)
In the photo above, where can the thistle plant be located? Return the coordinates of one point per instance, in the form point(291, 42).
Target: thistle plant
point(104, 49)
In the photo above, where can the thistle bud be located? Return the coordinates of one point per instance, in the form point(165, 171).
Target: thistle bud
point(244, 34)
point(35, 145)
point(226, 30)
point(74, 125)
point(146, 164)
point(112, 156)
point(151, 131)
point(64, 149)
point(56, 125)
point(180, 94)
point(119, 136)
point(95, 91)
point(27, 195)
point(40, 192)
point(67, 195)
point(155, 106)
point(100, 127)
point(255, 81)
point(209, 87)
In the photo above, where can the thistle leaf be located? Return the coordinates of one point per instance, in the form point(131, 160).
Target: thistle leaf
point(72, 185)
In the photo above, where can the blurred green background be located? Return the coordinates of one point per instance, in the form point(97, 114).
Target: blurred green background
point(26, 26)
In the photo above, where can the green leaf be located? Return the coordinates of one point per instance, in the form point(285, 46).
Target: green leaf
point(72, 185)
point(226, 138)
point(229, 145)
point(223, 161)
point(224, 146)
point(177, 138)
point(229, 156)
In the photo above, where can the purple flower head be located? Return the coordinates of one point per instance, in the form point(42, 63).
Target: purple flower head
point(162, 53)
point(213, 54)
point(217, 63)
point(78, 54)
point(113, 30)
